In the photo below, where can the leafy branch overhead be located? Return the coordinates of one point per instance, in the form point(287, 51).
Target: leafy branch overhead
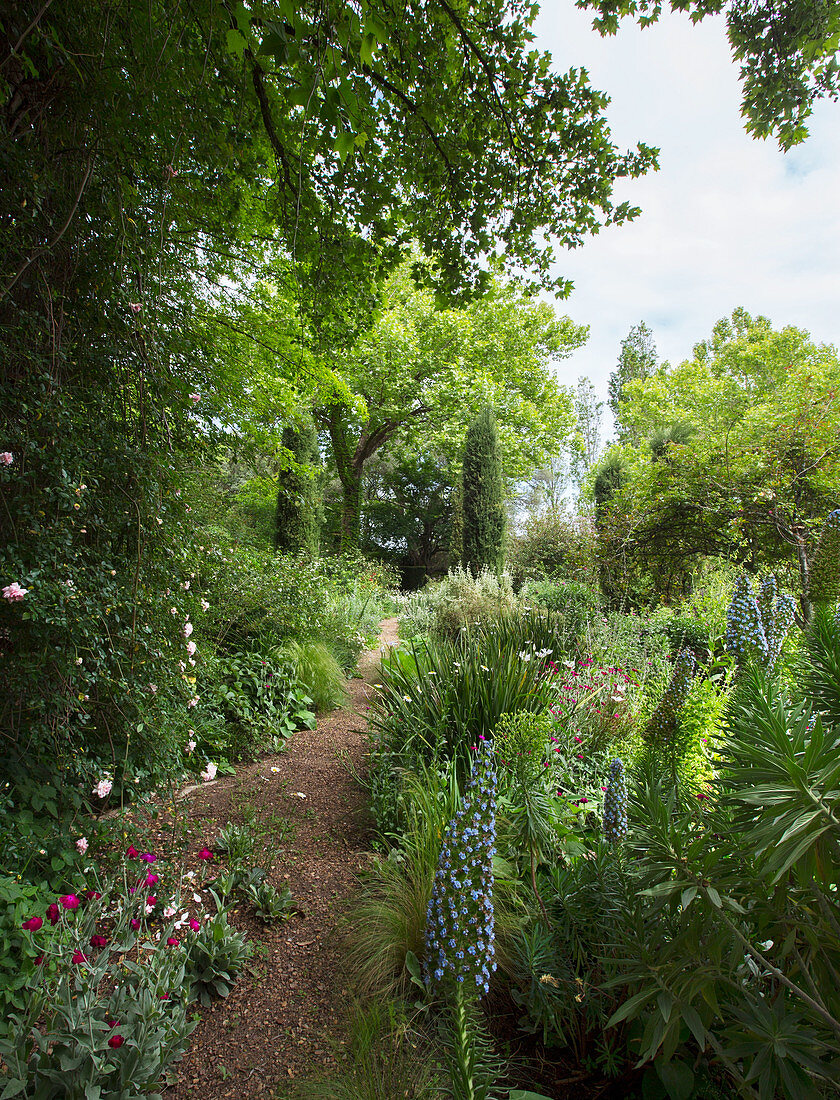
point(441, 125)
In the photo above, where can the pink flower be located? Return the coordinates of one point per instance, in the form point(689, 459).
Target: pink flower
point(169, 911)
point(169, 173)
point(163, 996)
point(103, 788)
point(152, 879)
point(195, 398)
point(135, 923)
point(13, 592)
point(6, 458)
point(205, 606)
point(135, 307)
point(172, 942)
point(69, 901)
point(209, 772)
point(53, 913)
point(147, 857)
point(192, 702)
point(194, 925)
point(188, 629)
point(33, 924)
point(191, 747)
point(82, 845)
point(151, 902)
point(191, 648)
point(205, 853)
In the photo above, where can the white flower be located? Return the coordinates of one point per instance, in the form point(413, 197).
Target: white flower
point(544, 653)
point(6, 458)
point(569, 664)
point(193, 702)
point(205, 605)
point(153, 689)
point(525, 655)
point(191, 746)
point(103, 788)
point(169, 911)
point(209, 772)
point(188, 629)
point(82, 845)
point(186, 585)
point(173, 610)
point(191, 648)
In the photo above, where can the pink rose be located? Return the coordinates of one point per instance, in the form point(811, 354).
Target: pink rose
point(103, 788)
point(6, 458)
point(13, 592)
point(209, 773)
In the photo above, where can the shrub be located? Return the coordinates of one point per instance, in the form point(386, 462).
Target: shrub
point(483, 523)
point(554, 547)
point(214, 957)
point(461, 600)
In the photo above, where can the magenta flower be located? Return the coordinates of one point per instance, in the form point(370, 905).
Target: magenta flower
point(205, 853)
point(98, 941)
point(172, 942)
point(147, 857)
point(152, 879)
point(33, 924)
point(13, 592)
point(135, 923)
point(69, 901)
point(53, 913)
point(194, 925)
point(116, 1041)
point(132, 852)
point(78, 957)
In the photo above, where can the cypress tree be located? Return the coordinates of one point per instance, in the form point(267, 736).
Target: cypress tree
point(483, 524)
point(297, 525)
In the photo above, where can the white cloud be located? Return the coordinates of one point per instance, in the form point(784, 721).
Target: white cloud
point(728, 221)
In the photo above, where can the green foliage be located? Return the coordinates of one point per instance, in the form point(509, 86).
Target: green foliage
point(270, 904)
point(214, 958)
point(818, 669)
point(82, 1031)
point(520, 742)
point(460, 600)
point(637, 359)
point(319, 673)
point(824, 582)
point(484, 516)
point(555, 547)
point(297, 515)
point(435, 705)
point(576, 607)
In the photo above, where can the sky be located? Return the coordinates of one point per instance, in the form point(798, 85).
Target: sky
point(727, 221)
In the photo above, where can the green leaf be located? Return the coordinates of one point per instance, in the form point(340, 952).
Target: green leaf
point(688, 896)
point(236, 43)
point(677, 1077)
point(13, 1088)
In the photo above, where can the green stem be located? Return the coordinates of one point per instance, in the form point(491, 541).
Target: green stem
point(463, 1079)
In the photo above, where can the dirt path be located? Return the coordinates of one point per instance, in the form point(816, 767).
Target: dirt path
point(286, 1016)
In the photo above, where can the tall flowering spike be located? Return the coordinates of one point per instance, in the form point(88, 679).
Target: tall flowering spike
point(460, 939)
point(615, 804)
point(824, 585)
point(783, 616)
point(768, 591)
point(745, 637)
point(662, 724)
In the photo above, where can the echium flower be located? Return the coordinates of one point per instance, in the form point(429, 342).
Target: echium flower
point(460, 939)
point(784, 612)
point(662, 724)
point(745, 637)
point(615, 804)
point(824, 584)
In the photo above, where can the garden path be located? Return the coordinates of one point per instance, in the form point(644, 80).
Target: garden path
point(288, 1013)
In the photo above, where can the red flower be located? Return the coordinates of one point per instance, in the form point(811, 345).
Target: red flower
point(53, 913)
point(98, 941)
point(116, 1041)
point(78, 957)
point(172, 942)
point(38, 960)
point(205, 853)
point(151, 901)
point(135, 924)
point(69, 901)
point(194, 925)
point(152, 879)
point(33, 924)
point(132, 852)
point(92, 895)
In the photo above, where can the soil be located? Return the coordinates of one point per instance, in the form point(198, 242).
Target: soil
point(287, 1015)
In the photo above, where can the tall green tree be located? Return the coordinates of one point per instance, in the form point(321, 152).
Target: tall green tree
point(422, 373)
point(750, 462)
point(637, 359)
point(483, 530)
point(297, 523)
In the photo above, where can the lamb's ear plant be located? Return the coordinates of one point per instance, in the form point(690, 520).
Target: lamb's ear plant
point(214, 957)
point(271, 904)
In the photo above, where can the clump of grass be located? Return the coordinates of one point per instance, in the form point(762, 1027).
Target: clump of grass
point(319, 672)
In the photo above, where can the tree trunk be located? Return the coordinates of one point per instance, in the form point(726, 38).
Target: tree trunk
point(351, 511)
